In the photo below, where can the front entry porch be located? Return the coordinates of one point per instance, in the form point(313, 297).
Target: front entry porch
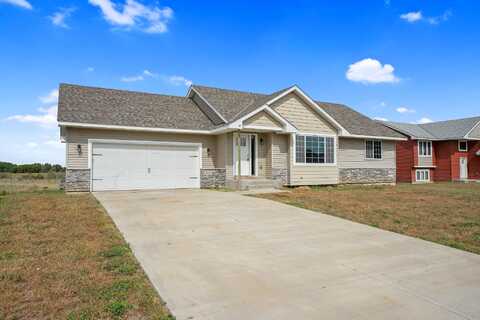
point(252, 160)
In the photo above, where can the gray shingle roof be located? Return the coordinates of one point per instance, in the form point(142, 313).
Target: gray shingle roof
point(412, 130)
point(441, 130)
point(127, 108)
point(137, 109)
point(233, 104)
point(356, 123)
point(451, 129)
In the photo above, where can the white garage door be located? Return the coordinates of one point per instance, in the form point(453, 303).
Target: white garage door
point(135, 166)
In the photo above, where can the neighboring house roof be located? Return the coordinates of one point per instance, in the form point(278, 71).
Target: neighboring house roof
point(441, 130)
point(413, 130)
point(90, 105)
point(110, 107)
point(356, 123)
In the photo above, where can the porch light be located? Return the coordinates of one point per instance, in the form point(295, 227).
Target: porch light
point(79, 149)
point(261, 141)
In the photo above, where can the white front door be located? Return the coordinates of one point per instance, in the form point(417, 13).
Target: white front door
point(244, 157)
point(463, 168)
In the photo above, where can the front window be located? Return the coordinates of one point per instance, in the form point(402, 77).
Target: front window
point(373, 149)
point(422, 175)
point(425, 148)
point(314, 149)
point(463, 146)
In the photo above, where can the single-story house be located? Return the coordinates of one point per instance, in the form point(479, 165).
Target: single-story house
point(124, 140)
point(438, 151)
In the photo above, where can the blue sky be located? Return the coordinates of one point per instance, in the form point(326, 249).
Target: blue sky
point(406, 61)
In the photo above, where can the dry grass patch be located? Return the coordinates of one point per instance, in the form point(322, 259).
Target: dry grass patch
point(61, 257)
point(445, 213)
point(29, 182)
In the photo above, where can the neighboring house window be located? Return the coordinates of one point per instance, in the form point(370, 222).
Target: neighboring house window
point(314, 149)
point(373, 149)
point(462, 145)
point(425, 148)
point(422, 175)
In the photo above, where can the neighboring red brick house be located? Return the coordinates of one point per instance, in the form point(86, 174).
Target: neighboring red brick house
point(438, 151)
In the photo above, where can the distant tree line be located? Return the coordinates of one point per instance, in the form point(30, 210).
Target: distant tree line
point(30, 168)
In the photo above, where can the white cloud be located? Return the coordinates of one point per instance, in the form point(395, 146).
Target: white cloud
point(412, 17)
point(46, 118)
point(132, 79)
point(59, 17)
point(383, 104)
point(139, 77)
point(51, 97)
point(19, 3)
point(380, 119)
point(32, 144)
point(371, 71)
point(135, 15)
point(424, 120)
point(404, 110)
point(90, 69)
point(442, 18)
point(150, 74)
point(178, 81)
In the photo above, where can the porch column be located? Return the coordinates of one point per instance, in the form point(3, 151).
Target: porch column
point(237, 143)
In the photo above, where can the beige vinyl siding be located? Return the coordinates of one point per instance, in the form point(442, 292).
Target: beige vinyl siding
point(268, 155)
point(425, 161)
point(311, 174)
point(301, 115)
point(351, 155)
point(75, 136)
point(262, 119)
point(221, 151)
point(280, 151)
point(475, 134)
point(262, 155)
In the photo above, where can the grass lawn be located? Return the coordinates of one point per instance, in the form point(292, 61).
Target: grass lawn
point(61, 257)
point(446, 213)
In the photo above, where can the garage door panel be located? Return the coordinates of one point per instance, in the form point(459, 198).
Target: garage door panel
point(127, 167)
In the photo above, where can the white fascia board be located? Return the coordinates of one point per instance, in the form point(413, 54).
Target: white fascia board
point(261, 128)
point(358, 136)
point(115, 127)
point(315, 106)
point(206, 101)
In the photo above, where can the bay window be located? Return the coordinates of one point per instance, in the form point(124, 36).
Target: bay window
point(314, 149)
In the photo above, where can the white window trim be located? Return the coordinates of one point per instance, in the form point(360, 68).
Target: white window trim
point(301, 164)
point(424, 170)
point(431, 148)
point(464, 150)
point(381, 150)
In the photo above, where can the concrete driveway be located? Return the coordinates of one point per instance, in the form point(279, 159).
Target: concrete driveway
point(221, 255)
